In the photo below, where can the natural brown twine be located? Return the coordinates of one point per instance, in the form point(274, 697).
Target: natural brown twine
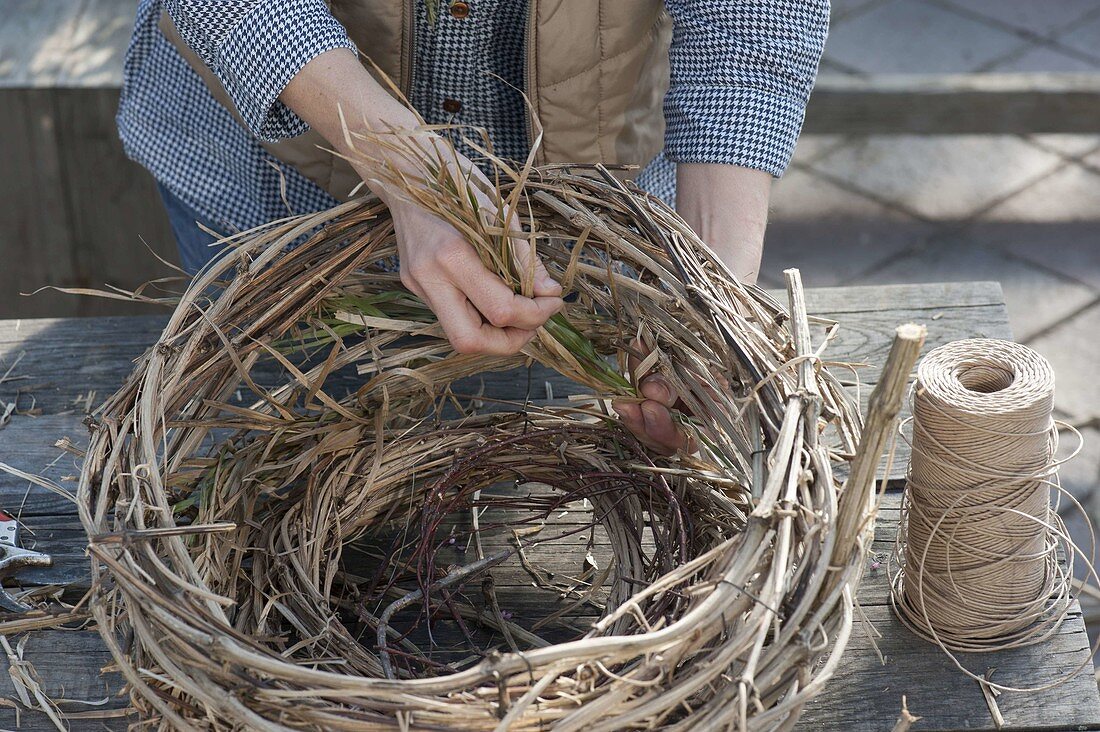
point(978, 544)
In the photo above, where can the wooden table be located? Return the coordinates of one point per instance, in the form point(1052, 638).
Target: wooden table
point(65, 365)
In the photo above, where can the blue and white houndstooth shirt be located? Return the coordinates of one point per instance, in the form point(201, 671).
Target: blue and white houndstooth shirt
point(742, 71)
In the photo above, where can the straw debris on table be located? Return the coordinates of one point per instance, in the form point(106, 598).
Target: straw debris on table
point(217, 530)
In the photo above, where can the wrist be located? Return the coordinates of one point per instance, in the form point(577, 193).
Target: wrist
point(727, 206)
point(382, 181)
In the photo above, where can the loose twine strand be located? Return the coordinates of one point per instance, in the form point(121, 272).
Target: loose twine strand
point(977, 550)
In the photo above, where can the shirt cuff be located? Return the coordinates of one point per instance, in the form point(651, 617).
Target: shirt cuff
point(266, 49)
point(732, 126)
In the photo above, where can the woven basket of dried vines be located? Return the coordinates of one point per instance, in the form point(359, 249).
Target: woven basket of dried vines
point(226, 482)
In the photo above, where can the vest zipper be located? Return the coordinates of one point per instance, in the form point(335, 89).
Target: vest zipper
point(408, 46)
point(529, 74)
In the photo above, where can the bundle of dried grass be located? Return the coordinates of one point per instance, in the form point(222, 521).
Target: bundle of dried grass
point(216, 529)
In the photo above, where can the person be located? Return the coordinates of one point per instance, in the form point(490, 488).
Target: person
point(230, 104)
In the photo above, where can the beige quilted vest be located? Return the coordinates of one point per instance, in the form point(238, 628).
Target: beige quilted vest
point(596, 74)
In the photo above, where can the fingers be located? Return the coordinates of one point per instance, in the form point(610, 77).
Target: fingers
point(630, 414)
point(436, 261)
point(660, 427)
point(528, 263)
point(526, 259)
point(478, 312)
point(657, 388)
point(652, 423)
point(499, 305)
point(465, 329)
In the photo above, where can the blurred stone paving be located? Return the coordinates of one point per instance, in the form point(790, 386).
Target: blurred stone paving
point(961, 36)
point(1023, 211)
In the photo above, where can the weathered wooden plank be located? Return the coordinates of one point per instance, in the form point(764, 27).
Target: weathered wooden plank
point(27, 444)
point(101, 351)
point(565, 557)
point(108, 196)
point(940, 104)
point(865, 695)
point(920, 671)
point(868, 316)
point(862, 696)
point(61, 535)
point(35, 231)
point(60, 69)
point(917, 297)
point(50, 525)
point(36, 218)
point(68, 664)
point(64, 359)
point(63, 538)
point(862, 337)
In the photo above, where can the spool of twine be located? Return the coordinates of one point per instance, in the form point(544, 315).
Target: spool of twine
point(977, 551)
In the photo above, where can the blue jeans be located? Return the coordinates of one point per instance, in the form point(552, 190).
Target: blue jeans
point(193, 242)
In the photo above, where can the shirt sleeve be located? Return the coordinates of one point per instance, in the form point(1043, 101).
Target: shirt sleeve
point(742, 72)
point(255, 47)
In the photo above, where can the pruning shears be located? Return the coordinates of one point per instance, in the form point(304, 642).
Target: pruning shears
point(13, 557)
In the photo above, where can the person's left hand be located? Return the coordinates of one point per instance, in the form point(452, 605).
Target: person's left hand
point(651, 420)
point(727, 205)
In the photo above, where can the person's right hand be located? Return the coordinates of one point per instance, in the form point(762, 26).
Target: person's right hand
point(478, 311)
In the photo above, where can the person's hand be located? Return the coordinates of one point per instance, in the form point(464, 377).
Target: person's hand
point(337, 96)
point(727, 206)
point(478, 311)
point(651, 420)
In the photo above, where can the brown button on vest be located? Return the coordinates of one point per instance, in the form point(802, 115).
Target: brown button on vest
point(596, 74)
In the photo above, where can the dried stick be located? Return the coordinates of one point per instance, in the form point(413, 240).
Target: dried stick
point(905, 719)
point(454, 576)
point(882, 413)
